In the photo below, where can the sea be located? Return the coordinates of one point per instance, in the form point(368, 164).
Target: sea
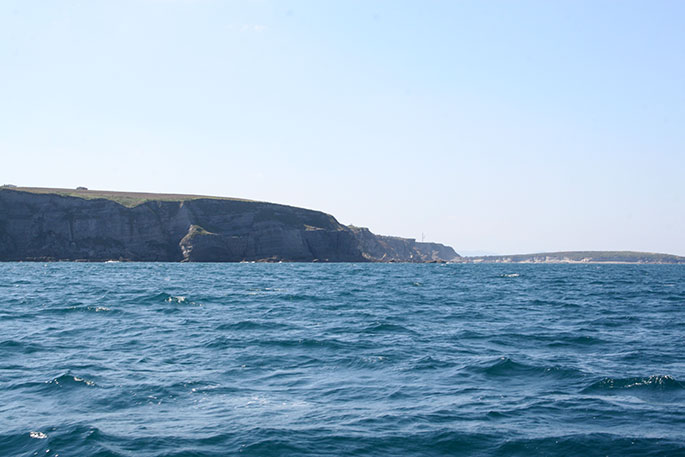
point(294, 359)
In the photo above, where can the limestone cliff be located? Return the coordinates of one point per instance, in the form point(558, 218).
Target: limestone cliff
point(87, 225)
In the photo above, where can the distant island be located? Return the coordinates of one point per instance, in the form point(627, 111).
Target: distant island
point(42, 224)
point(578, 257)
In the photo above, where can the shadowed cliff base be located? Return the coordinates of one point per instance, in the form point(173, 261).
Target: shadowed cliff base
point(40, 224)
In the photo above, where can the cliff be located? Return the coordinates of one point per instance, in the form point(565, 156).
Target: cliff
point(60, 224)
point(395, 249)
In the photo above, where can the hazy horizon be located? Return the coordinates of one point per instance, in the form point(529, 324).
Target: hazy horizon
point(505, 128)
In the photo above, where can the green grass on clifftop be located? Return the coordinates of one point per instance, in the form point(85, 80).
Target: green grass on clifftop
point(129, 199)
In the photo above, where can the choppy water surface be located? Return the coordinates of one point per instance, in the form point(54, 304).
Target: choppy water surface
point(341, 359)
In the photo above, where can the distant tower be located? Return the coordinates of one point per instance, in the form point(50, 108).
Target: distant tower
point(423, 237)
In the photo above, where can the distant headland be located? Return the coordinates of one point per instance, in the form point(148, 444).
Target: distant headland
point(578, 257)
point(42, 224)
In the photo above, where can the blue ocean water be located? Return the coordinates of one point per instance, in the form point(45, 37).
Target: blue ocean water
point(146, 359)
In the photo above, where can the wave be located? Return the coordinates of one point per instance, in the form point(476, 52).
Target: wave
point(594, 444)
point(506, 367)
point(69, 380)
point(302, 297)
point(20, 346)
point(658, 383)
point(431, 363)
point(570, 339)
point(223, 342)
point(81, 308)
point(63, 381)
point(82, 439)
point(384, 327)
point(364, 361)
point(64, 440)
point(160, 298)
point(305, 343)
point(89, 440)
point(251, 325)
point(329, 443)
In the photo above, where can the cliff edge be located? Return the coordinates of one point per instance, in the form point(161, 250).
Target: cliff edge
point(61, 224)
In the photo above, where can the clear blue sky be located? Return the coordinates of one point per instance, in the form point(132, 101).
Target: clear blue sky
point(497, 126)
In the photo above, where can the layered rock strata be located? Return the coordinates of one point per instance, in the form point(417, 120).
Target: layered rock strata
point(54, 226)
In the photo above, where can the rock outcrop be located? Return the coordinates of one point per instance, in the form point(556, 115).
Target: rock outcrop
point(53, 226)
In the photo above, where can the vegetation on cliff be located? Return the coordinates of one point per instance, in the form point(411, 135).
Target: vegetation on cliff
point(128, 199)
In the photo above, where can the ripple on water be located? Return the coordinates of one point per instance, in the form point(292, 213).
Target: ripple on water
point(250, 325)
point(20, 347)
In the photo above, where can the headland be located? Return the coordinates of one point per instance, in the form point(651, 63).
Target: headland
point(629, 257)
point(45, 224)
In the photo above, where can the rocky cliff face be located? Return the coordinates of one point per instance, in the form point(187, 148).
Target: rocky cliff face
point(49, 226)
point(395, 249)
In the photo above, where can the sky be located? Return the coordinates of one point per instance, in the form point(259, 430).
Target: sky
point(492, 126)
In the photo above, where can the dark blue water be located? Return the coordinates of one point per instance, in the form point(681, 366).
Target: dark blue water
point(341, 359)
